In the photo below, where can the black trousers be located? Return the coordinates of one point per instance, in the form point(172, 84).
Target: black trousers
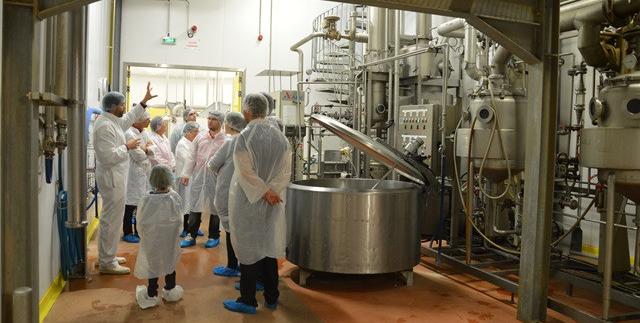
point(128, 226)
point(169, 284)
point(269, 269)
point(195, 219)
point(232, 261)
point(185, 223)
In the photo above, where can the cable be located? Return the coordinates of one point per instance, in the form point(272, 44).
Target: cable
point(502, 150)
point(575, 225)
point(470, 186)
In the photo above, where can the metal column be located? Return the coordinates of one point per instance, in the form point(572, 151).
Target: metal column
point(539, 169)
point(19, 185)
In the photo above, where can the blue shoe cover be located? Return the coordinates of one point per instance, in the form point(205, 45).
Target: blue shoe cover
point(235, 306)
point(187, 242)
point(130, 238)
point(212, 243)
point(226, 272)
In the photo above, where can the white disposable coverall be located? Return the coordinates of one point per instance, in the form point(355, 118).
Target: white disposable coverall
point(185, 160)
point(139, 168)
point(262, 161)
point(112, 169)
point(203, 184)
point(176, 136)
point(159, 224)
point(162, 154)
point(222, 165)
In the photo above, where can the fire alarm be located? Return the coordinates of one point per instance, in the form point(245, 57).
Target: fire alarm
point(192, 31)
point(260, 37)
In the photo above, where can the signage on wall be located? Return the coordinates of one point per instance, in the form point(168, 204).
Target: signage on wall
point(192, 43)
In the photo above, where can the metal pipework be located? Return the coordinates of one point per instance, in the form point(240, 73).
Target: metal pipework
point(377, 33)
point(452, 28)
point(423, 26)
point(60, 71)
point(77, 151)
point(596, 11)
point(21, 305)
point(49, 144)
point(636, 261)
point(396, 84)
point(470, 53)
point(499, 62)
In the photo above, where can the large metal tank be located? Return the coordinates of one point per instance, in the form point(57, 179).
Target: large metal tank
point(510, 113)
point(612, 146)
point(345, 226)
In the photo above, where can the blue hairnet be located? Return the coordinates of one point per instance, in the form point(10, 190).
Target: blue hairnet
point(271, 101)
point(235, 121)
point(160, 177)
point(190, 126)
point(111, 100)
point(255, 103)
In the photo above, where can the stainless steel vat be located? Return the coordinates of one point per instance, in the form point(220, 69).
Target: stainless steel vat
point(344, 226)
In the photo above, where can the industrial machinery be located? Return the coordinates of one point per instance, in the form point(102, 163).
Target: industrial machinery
point(457, 102)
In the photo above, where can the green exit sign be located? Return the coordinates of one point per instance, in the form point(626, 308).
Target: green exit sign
point(168, 40)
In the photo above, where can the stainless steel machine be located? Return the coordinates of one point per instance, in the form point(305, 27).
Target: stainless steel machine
point(358, 226)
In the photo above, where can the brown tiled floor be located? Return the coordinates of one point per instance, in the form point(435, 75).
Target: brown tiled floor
point(330, 298)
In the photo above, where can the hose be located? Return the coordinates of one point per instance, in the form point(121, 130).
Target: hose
point(470, 186)
point(502, 150)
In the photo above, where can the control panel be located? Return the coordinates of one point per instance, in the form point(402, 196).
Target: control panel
point(421, 121)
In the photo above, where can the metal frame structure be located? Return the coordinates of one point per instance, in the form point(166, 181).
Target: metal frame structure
point(529, 30)
point(127, 65)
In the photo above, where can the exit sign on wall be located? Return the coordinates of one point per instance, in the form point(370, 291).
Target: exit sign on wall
point(168, 40)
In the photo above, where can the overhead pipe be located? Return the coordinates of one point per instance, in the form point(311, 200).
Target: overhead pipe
point(61, 73)
point(452, 29)
point(499, 61)
point(470, 53)
point(596, 11)
point(77, 165)
point(49, 143)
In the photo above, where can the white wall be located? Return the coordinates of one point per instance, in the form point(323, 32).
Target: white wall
point(48, 243)
point(227, 34)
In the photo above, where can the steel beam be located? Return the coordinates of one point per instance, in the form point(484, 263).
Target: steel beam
point(539, 170)
point(19, 185)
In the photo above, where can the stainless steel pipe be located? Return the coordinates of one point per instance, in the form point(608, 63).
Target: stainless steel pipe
point(470, 53)
point(21, 306)
point(452, 28)
point(77, 165)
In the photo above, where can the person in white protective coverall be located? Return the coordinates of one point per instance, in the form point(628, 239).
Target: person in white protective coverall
point(189, 115)
point(159, 222)
point(185, 160)
point(222, 165)
point(262, 160)
point(139, 168)
point(162, 153)
point(112, 168)
point(204, 181)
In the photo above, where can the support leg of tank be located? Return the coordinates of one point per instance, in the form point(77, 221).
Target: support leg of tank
point(407, 277)
point(303, 277)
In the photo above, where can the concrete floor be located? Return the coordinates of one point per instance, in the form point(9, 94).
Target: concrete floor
point(330, 298)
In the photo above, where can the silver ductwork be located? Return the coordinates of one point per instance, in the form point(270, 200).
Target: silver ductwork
point(596, 11)
point(60, 71)
point(453, 28)
point(471, 53)
point(499, 61)
point(77, 164)
point(377, 33)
